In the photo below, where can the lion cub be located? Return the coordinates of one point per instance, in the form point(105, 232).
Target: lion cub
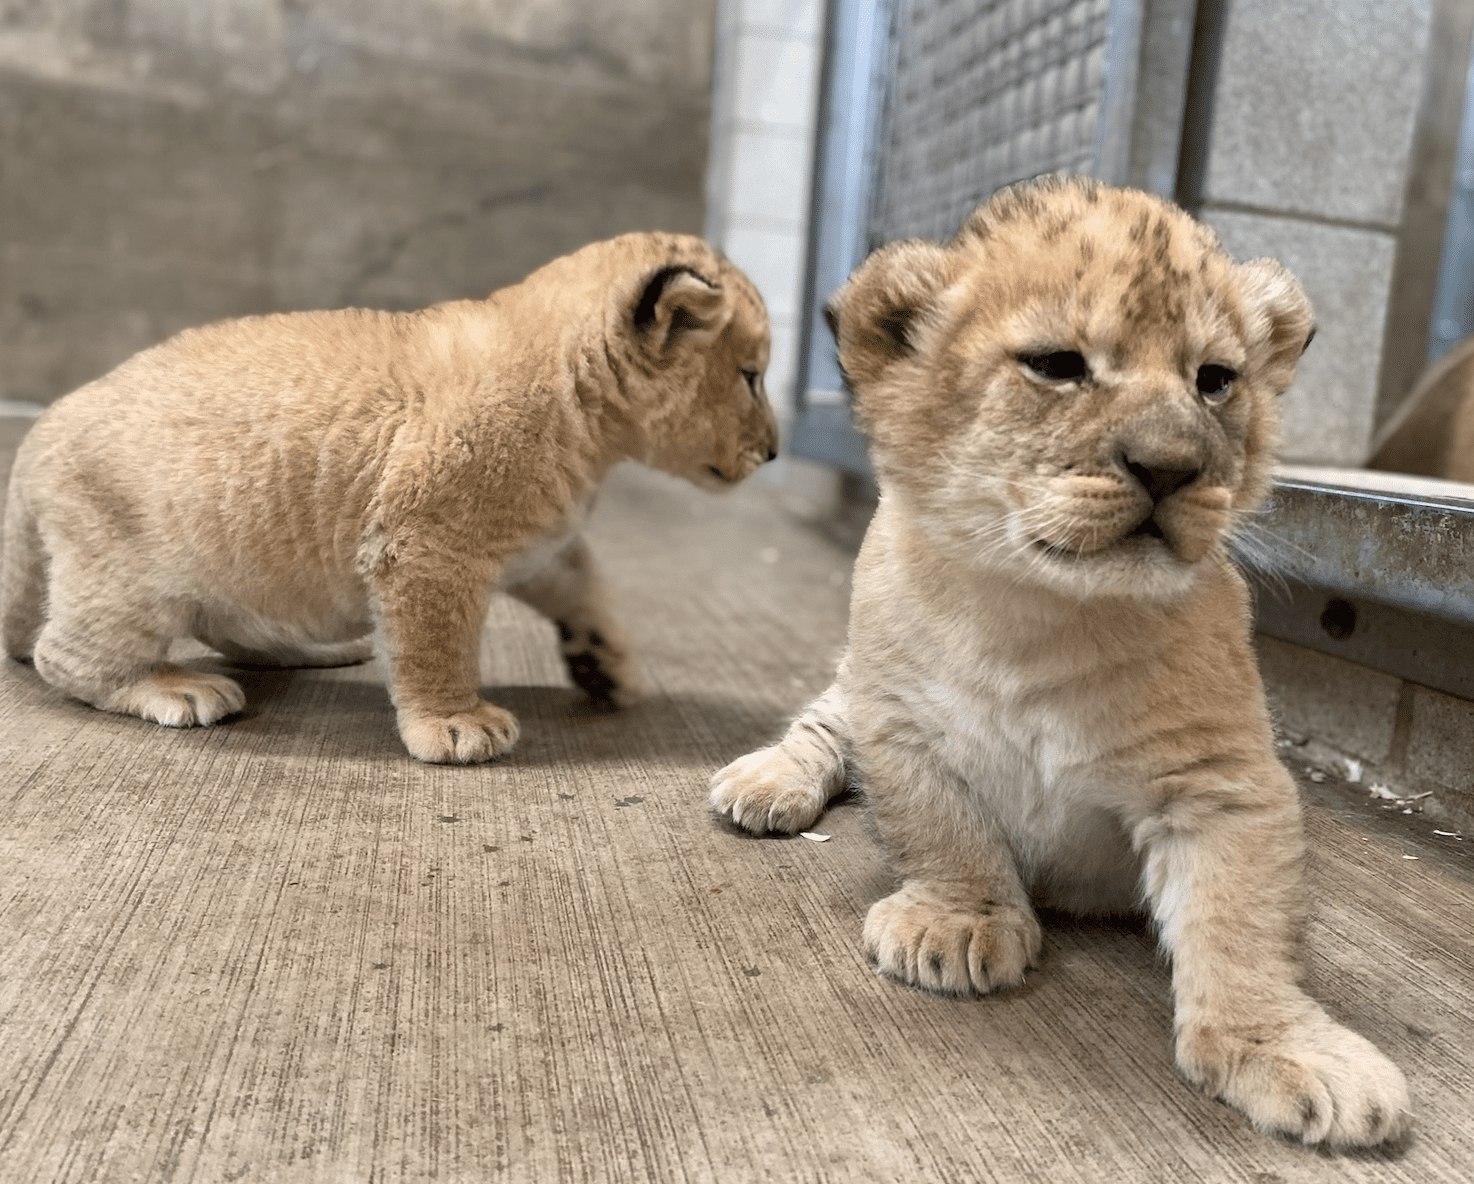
point(279, 487)
point(1049, 693)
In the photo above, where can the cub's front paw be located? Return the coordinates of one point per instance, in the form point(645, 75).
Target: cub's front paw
point(927, 942)
point(768, 790)
point(604, 668)
point(177, 698)
point(464, 738)
point(1311, 1079)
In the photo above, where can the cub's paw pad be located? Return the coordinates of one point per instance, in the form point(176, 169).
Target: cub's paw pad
point(178, 698)
point(1314, 1081)
point(603, 669)
point(946, 948)
point(465, 738)
point(768, 790)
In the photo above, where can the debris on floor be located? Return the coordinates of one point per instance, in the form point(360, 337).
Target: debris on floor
point(1412, 804)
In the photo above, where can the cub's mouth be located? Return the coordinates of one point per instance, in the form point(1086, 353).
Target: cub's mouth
point(1148, 529)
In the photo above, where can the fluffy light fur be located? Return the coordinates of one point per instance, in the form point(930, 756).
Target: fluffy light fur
point(280, 487)
point(1049, 694)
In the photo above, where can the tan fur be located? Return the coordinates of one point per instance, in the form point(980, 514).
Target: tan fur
point(281, 486)
point(1049, 694)
point(1432, 432)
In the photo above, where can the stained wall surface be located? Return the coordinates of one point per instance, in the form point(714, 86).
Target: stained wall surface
point(165, 163)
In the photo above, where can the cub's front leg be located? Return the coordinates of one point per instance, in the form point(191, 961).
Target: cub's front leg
point(961, 922)
point(785, 787)
point(430, 624)
point(1224, 883)
point(568, 590)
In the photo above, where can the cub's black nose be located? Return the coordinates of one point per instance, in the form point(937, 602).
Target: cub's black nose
point(1159, 482)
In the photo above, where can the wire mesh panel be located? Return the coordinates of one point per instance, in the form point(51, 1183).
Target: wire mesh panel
point(983, 93)
point(931, 105)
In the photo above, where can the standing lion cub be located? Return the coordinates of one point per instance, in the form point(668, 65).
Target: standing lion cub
point(1049, 694)
point(279, 487)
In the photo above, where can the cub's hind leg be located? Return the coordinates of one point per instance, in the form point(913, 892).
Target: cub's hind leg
point(961, 922)
point(785, 787)
point(22, 581)
point(600, 657)
point(107, 649)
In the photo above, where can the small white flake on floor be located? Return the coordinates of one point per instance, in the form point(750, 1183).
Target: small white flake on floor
point(1353, 770)
point(1317, 776)
point(1410, 857)
point(1450, 834)
point(1381, 791)
point(818, 838)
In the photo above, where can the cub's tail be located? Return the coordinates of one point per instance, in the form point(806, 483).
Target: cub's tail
point(22, 580)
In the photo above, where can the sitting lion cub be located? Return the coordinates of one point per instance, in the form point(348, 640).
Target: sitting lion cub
point(1049, 694)
point(280, 486)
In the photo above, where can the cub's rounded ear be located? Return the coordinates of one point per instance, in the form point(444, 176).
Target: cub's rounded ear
point(1280, 321)
point(678, 302)
point(877, 313)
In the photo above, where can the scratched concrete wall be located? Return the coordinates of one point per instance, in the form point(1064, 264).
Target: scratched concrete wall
point(169, 162)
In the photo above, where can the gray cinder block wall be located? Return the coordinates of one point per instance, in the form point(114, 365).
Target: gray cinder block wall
point(1303, 153)
point(172, 162)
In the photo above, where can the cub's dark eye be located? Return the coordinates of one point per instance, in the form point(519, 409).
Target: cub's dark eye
point(1063, 365)
point(1214, 382)
point(751, 377)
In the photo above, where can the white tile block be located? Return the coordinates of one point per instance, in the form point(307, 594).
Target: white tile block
point(770, 176)
point(777, 80)
point(774, 262)
point(783, 367)
point(800, 18)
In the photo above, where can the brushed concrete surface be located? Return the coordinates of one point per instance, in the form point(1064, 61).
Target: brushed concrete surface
point(280, 951)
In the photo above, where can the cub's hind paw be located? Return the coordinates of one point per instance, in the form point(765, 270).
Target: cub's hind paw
point(602, 667)
point(464, 738)
point(177, 698)
point(924, 941)
point(1313, 1080)
point(769, 790)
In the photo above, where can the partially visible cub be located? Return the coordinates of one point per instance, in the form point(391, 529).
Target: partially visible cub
point(1049, 694)
point(279, 487)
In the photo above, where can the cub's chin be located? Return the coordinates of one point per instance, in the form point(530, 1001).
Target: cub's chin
point(1143, 564)
point(720, 478)
point(713, 478)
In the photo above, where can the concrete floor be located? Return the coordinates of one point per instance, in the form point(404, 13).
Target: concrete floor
point(279, 950)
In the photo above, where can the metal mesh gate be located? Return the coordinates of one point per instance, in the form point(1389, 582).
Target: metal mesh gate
point(931, 105)
point(983, 93)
